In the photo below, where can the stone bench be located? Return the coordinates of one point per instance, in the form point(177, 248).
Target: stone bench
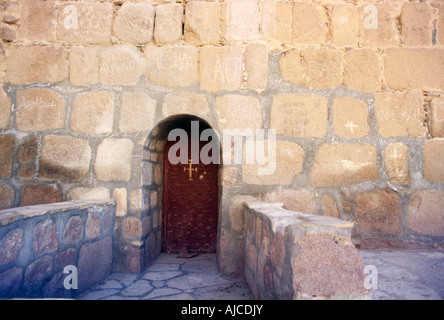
point(291, 255)
point(38, 242)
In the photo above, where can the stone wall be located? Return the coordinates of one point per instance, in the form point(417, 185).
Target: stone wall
point(290, 255)
point(352, 88)
point(38, 242)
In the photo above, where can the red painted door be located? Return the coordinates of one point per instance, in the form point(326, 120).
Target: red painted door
point(190, 205)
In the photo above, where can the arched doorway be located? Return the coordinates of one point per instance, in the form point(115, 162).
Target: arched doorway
point(190, 188)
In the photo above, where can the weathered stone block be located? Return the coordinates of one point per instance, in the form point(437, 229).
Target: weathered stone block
point(312, 67)
point(73, 230)
point(345, 25)
point(168, 23)
point(177, 103)
point(294, 200)
point(289, 158)
point(433, 153)
point(131, 228)
point(400, 114)
point(114, 160)
point(6, 154)
point(36, 63)
point(414, 68)
point(396, 159)
point(65, 158)
point(240, 20)
point(220, 68)
point(424, 211)
point(299, 115)
point(37, 272)
point(95, 262)
point(85, 23)
point(337, 165)
point(45, 237)
point(137, 112)
point(27, 151)
point(39, 194)
point(228, 176)
point(120, 195)
point(10, 245)
point(362, 70)
point(93, 112)
point(134, 23)
point(416, 24)
point(84, 65)
point(236, 212)
point(350, 118)
point(5, 109)
point(276, 20)
point(80, 193)
point(202, 23)
point(121, 65)
point(377, 213)
point(37, 22)
point(92, 227)
point(6, 197)
point(239, 112)
point(307, 25)
point(378, 25)
point(39, 110)
point(329, 206)
point(256, 66)
point(440, 31)
point(437, 117)
point(172, 66)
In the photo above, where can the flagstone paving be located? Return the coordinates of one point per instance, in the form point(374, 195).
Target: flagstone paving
point(401, 275)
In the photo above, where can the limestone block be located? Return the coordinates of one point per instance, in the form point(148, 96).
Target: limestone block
point(45, 237)
point(378, 25)
point(220, 68)
point(5, 109)
point(81, 193)
point(240, 20)
point(276, 20)
point(177, 103)
point(414, 68)
point(114, 160)
point(239, 112)
point(337, 165)
point(400, 114)
point(424, 211)
point(299, 115)
point(6, 197)
point(256, 66)
point(350, 118)
point(416, 24)
point(121, 65)
point(307, 25)
point(6, 154)
point(294, 200)
point(433, 167)
point(362, 70)
point(202, 23)
point(120, 197)
point(289, 158)
point(36, 63)
point(312, 67)
point(345, 24)
point(39, 110)
point(396, 159)
point(172, 66)
point(169, 19)
point(134, 23)
point(437, 117)
point(85, 23)
point(65, 158)
point(84, 65)
point(137, 112)
point(37, 21)
point(93, 112)
point(377, 213)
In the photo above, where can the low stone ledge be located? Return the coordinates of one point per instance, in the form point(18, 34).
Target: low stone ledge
point(292, 255)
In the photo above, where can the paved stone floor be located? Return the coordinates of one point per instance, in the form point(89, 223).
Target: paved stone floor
point(401, 275)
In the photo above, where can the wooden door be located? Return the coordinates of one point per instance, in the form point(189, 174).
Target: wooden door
point(190, 205)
